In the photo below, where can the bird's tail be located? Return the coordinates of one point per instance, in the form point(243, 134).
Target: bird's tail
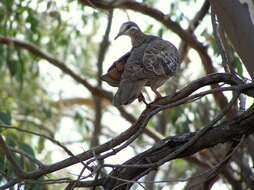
point(107, 78)
point(127, 92)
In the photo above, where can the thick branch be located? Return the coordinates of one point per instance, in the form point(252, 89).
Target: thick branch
point(145, 116)
point(241, 125)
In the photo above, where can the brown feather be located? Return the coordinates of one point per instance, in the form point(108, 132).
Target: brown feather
point(151, 62)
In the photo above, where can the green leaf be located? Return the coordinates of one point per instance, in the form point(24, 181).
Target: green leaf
point(40, 145)
point(214, 46)
point(32, 19)
point(180, 164)
point(9, 4)
point(5, 118)
point(1, 53)
point(2, 165)
point(19, 160)
point(161, 32)
point(238, 65)
point(2, 13)
point(13, 67)
point(174, 114)
point(10, 141)
point(149, 28)
point(2, 162)
point(35, 186)
point(27, 148)
point(204, 33)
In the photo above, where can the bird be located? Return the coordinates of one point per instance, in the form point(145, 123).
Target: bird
point(150, 62)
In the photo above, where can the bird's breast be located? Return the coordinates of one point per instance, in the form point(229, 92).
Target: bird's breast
point(136, 56)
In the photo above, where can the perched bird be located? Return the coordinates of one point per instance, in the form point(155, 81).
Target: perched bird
point(151, 62)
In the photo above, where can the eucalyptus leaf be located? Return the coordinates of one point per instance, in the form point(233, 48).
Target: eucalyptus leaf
point(5, 118)
point(27, 148)
point(238, 65)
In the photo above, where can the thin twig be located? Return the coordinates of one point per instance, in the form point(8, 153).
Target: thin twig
point(10, 183)
point(98, 100)
point(17, 169)
point(29, 157)
point(183, 48)
point(216, 31)
point(48, 138)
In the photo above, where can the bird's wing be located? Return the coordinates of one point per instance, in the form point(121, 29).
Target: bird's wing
point(161, 58)
point(113, 75)
point(110, 80)
point(119, 63)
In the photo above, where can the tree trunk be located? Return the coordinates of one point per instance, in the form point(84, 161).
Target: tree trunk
point(237, 19)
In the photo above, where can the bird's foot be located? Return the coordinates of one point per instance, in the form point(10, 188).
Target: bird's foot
point(157, 98)
point(158, 95)
point(141, 98)
point(155, 104)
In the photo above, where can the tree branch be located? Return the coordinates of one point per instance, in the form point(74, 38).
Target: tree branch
point(216, 31)
point(36, 51)
point(4, 148)
point(98, 100)
point(183, 49)
point(241, 125)
point(145, 116)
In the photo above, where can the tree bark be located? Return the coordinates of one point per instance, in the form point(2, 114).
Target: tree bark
point(222, 133)
point(236, 20)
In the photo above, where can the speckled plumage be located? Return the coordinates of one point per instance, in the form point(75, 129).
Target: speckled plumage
point(151, 62)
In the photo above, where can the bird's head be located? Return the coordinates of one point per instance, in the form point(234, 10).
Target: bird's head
point(128, 28)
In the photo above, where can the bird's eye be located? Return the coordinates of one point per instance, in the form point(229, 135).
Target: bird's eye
point(127, 27)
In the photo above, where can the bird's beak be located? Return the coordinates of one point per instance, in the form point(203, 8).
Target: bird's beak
point(119, 34)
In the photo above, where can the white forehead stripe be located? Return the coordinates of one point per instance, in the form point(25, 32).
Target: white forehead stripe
point(133, 27)
point(124, 27)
